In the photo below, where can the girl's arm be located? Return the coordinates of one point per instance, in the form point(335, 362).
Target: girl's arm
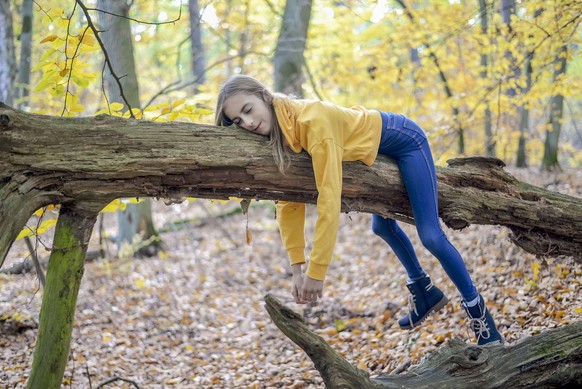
point(291, 219)
point(327, 168)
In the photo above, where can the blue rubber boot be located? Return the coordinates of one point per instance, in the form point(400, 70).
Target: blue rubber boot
point(424, 299)
point(482, 324)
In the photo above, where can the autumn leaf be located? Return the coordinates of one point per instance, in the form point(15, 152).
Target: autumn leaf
point(49, 38)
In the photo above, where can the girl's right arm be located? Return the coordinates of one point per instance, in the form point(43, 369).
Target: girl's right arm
point(291, 218)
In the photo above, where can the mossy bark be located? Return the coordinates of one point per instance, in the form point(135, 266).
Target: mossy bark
point(65, 271)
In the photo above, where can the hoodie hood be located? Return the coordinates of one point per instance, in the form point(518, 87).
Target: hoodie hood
point(287, 118)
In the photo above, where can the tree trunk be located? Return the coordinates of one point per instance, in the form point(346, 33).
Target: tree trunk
point(7, 56)
point(66, 266)
point(551, 359)
point(521, 160)
point(550, 159)
point(198, 62)
point(116, 36)
point(23, 84)
point(54, 160)
point(136, 219)
point(289, 54)
point(489, 140)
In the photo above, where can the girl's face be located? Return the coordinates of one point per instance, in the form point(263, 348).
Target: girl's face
point(249, 112)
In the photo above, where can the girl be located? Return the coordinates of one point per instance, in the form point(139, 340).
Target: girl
point(332, 134)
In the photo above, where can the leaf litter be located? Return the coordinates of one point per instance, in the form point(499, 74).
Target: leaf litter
point(193, 316)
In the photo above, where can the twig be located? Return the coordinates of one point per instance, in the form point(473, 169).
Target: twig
point(37, 266)
point(137, 20)
point(111, 380)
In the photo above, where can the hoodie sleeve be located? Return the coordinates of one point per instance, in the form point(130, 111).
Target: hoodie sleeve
point(327, 167)
point(291, 219)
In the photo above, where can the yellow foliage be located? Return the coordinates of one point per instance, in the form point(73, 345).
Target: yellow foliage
point(44, 226)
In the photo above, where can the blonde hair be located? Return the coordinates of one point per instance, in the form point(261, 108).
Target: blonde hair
point(249, 85)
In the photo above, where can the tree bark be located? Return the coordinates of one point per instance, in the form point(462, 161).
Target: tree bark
point(550, 159)
point(59, 300)
point(289, 54)
point(91, 161)
point(7, 56)
point(23, 84)
point(551, 359)
point(198, 60)
point(490, 142)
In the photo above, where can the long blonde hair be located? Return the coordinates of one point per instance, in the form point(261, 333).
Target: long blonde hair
point(249, 85)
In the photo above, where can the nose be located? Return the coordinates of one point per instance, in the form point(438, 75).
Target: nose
point(248, 122)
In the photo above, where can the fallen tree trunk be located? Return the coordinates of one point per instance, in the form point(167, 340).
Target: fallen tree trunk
point(551, 359)
point(84, 163)
point(91, 161)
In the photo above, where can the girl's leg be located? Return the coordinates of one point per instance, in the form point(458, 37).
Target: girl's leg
point(392, 234)
point(419, 176)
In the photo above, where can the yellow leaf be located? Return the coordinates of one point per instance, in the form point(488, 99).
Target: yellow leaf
point(178, 103)
point(249, 236)
point(362, 365)
point(116, 106)
point(204, 111)
point(45, 225)
point(536, 270)
point(165, 111)
point(76, 108)
point(63, 23)
point(578, 310)
point(64, 72)
point(113, 206)
point(55, 12)
point(137, 113)
point(49, 38)
point(46, 82)
point(88, 40)
point(26, 231)
point(42, 228)
point(140, 283)
point(173, 116)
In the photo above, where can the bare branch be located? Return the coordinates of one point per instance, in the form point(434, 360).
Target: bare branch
point(137, 20)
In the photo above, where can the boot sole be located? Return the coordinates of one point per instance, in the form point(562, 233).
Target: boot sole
point(437, 307)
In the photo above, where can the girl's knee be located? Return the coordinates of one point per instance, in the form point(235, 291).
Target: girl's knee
point(432, 239)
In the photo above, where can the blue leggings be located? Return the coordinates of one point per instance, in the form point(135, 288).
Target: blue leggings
point(404, 141)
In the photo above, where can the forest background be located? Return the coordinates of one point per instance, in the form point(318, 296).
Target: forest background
point(496, 78)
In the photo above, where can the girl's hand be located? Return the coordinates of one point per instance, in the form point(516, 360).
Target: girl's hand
point(297, 287)
point(311, 290)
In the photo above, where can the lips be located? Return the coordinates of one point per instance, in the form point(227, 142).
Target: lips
point(257, 127)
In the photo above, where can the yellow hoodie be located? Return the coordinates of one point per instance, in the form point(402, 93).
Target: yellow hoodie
point(330, 134)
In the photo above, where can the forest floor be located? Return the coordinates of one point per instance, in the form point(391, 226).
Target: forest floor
point(193, 316)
